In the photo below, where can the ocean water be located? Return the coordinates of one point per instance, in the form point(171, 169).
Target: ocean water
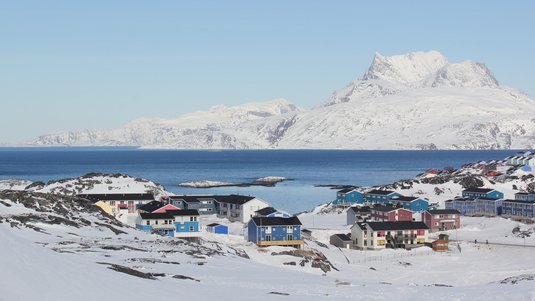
point(306, 167)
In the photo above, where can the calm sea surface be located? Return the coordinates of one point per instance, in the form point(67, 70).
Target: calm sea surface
point(306, 167)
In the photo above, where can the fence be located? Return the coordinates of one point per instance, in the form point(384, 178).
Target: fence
point(408, 254)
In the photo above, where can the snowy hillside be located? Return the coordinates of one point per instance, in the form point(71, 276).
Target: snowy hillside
point(413, 101)
point(92, 257)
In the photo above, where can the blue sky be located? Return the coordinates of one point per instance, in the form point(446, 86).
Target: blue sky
point(96, 64)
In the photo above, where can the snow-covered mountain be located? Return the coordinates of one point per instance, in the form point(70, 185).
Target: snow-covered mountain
point(418, 100)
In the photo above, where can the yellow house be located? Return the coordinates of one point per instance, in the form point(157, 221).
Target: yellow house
point(105, 207)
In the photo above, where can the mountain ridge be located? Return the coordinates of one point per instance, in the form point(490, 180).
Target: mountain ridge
point(418, 100)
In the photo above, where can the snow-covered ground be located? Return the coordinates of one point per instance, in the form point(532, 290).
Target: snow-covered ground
point(92, 262)
point(58, 247)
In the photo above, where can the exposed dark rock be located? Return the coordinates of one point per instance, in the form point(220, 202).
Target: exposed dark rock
point(185, 278)
point(127, 270)
point(516, 279)
point(279, 293)
point(470, 182)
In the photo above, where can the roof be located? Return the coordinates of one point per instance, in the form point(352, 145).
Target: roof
point(488, 199)
point(406, 198)
point(192, 198)
point(151, 206)
point(276, 221)
point(266, 211)
point(478, 190)
point(343, 237)
point(519, 201)
point(183, 212)
point(444, 211)
point(156, 215)
point(405, 225)
point(215, 225)
point(385, 208)
point(231, 199)
point(346, 190)
point(380, 192)
point(117, 196)
point(524, 193)
point(362, 209)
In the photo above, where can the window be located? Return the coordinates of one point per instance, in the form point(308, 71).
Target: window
point(268, 237)
point(112, 203)
point(289, 229)
point(191, 219)
point(148, 223)
point(365, 242)
point(290, 237)
point(190, 228)
point(156, 222)
point(268, 229)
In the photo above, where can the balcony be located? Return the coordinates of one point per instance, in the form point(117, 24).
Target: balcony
point(265, 243)
point(163, 227)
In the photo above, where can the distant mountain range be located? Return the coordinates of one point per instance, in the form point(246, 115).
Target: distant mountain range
point(413, 101)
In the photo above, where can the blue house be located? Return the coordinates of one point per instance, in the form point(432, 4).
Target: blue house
point(275, 231)
point(161, 223)
point(217, 228)
point(476, 207)
point(186, 222)
point(380, 196)
point(411, 203)
point(474, 193)
point(520, 210)
point(524, 196)
point(349, 196)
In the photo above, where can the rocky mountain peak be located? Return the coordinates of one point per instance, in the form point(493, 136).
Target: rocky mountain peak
point(406, 68)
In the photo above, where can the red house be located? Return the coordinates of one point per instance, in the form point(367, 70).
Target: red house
point(442, 219)
point(383, 213)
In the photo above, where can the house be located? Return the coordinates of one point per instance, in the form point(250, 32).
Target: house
point(381, 235)
point(161, 223)
point(411, 203)
point(442, 219)
point(440, 245)
point(205, 204)
point(177, 223)
point(388, 213)
point(275, 231)
point(488, 206)
point(186, 222)
point(217, 228)
point(340, 241)
point(271, 212)
point(131, 200)
point(380, 196)
point(519, 210)
point(476, 207)
point(151, 207)
point(348, 196)
point(474, 193)
point(358, 214)
point(306, 234)
point(525, 196)
point(239, 207)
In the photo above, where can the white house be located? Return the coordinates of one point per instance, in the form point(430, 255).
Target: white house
point(239, 207)
point(380, 235)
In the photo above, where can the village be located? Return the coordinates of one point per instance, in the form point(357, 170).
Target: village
point(376, 218)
